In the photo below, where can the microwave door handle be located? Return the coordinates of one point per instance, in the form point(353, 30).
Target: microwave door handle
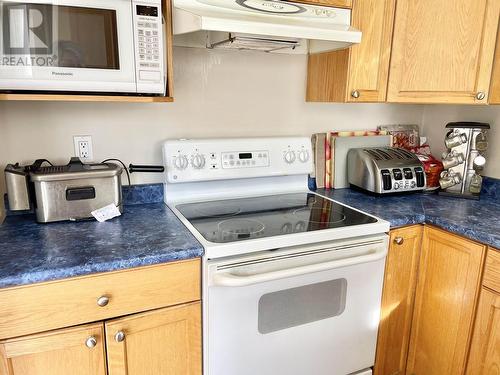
point(227, 279)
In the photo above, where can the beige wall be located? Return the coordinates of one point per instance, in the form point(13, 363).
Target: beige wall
point(436, 117)
point(217, 94)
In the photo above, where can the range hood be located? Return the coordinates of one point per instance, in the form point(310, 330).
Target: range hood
point(263, 25)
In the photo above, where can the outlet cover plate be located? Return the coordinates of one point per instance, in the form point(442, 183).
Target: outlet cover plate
point(83, 147)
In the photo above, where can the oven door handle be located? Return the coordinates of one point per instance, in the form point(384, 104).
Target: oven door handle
point(228, 279)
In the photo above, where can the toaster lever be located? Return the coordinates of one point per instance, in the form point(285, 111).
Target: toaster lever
point(386, 179)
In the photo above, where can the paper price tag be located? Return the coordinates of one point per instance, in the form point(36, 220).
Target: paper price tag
point(105, 213)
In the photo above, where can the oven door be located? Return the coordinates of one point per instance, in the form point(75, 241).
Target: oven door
point(311, 310)
point(67, 45)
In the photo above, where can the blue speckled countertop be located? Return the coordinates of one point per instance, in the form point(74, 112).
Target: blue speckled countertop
point(146, 234)
point(477, 220)
point(149, 233)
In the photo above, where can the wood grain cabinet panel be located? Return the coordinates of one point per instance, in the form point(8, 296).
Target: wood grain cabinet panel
point(495, 78)
point(484, 358)
point(166, 341)
point(333, 3)
point(62, 352)
point(397, 300)
point(359, 73)
point(447, 290)
point(443, 51)
point(491, 277)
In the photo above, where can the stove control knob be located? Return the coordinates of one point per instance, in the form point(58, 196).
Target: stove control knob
point(181, 162)
point(289, 157)
point(198, 161)
point(304, 156)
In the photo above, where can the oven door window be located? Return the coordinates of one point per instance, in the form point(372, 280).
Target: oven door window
point(59, 36)
point(297, 306)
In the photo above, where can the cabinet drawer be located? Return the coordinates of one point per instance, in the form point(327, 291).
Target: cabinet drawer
point(492, 270)
point(42, 307)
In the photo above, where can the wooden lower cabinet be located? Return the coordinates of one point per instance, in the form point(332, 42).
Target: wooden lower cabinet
point(447, 290)
point(148, 323)
point(431, 323)
point(166, 342)
point(159, 342)
point(75, 351)
point(397, 300)
point(484, 358)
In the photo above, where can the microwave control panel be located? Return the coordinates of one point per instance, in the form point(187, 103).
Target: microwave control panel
point(149, 47)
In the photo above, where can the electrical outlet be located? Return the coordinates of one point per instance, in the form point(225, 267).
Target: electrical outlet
point(83, 147)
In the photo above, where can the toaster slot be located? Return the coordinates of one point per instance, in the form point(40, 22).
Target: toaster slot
point(398, 175)
point(419, 174)
point(386, 179)
point(408, 173)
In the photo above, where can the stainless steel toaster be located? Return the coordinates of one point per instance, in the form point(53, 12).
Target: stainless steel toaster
point(68, 192)
point(384, 170)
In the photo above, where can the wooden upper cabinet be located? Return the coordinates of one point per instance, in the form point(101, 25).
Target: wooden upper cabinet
point(443, 51)
point(333, 3)
point(166, 341)
point(447, 290)
point(397, 300)
point(75, 351)
point(495, 79)
point(359, 73)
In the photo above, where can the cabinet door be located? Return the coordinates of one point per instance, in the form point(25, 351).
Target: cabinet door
point(159, 342)
point(359, 73)
point(397, 300)
point(448, 285)
point(443, 51)
point(75, 351)
point(484, 358)
point(369, 62)
point(495, 79)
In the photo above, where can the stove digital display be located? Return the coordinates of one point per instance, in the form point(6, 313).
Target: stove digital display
point(246, 155)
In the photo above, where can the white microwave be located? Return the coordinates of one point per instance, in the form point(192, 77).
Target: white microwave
point(88, 46)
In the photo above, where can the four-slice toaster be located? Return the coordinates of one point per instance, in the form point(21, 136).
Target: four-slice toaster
point(384, 170)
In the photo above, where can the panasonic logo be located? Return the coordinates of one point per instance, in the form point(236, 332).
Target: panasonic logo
point(62, 73)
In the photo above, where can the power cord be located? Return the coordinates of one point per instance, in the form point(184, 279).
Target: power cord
point(124, 167)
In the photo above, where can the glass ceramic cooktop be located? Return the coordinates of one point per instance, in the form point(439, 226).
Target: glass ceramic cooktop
point(257, 217)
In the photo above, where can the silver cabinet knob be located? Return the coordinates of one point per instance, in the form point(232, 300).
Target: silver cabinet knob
point(399, 240)
point(355, 94)
point(103, 301)
point(119, 336)
point(91, 342)
point(480, 95)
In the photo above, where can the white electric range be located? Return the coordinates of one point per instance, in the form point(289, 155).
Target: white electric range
point(292, 281)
